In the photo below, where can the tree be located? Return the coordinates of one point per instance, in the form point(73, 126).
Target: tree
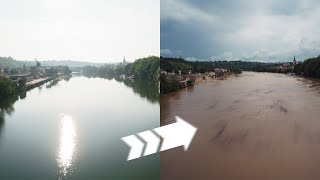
point(6, 87)
point(168, 84)
point(6, 70)
point(310, 67)
point(65, 70)
point(22, 82)
point(14, 71)
point(24, 69)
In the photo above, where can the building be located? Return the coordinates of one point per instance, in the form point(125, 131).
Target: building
point(220, 72)
point(124, 61)
point(123, 76)
point(163, 72)
point(27, 77)
point(294, 60)
point(212, 74)
point(52, 71)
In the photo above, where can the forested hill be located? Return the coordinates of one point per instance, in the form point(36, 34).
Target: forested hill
point(12, 63)
point(309, 67)
point(175, 64)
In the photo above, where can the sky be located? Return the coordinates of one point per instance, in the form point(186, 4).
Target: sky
point(83, 30)
point(252, 30)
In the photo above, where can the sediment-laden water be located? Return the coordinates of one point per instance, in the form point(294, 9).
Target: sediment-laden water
point(250, 126)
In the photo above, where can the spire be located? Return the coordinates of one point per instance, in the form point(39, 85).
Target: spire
point(124, 59)
point(294, 60)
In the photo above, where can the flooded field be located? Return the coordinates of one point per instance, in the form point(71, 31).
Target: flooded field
point(250, 126)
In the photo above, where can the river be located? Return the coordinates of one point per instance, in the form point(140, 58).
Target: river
point(71, 129)
point(250, 126)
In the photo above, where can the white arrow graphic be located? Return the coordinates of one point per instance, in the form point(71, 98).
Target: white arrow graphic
point(174, 135)
point(152, 141)
point(136, 146)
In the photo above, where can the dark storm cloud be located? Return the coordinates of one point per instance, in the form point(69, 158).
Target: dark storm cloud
point(247, 29)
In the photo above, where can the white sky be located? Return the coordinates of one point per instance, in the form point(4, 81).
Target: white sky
point(84, 30)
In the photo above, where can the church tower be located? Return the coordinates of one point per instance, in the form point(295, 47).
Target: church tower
point(294, 60)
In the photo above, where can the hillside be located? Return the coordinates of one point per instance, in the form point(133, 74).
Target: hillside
point(175, 64)
point(12, 63)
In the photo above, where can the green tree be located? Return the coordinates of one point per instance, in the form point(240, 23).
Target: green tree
point(310, 67)
point(65, 70)
point(6, 87)
point(168, 84)
point(21, 83)
point(14, 71)
point(24, 69)
point(6, 70)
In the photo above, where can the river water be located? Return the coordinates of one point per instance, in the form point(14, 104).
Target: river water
point(71, 129)
point(250, 126)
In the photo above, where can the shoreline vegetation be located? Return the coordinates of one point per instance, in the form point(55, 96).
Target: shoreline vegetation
point(17, 81)
point(178, 73)
point(142, 75)
point(141, 69)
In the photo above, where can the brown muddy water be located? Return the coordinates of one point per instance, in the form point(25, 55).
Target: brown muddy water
point(250, 126)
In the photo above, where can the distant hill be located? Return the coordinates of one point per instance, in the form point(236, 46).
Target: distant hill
point(70, 63)
point(12, 63)
point(175, 64)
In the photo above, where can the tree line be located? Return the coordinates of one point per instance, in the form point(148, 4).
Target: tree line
point(144, 68)
point(179, 64)
point(8, 87)
point(309, 68)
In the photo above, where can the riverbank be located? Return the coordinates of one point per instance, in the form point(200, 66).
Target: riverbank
point(41, 81)
point(172, 83)
point(21, 91)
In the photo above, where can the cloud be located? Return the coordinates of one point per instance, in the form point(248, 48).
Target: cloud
point(191, 59)
point(274, 30)
point(165, 52)
point(168, 52)
point(182, 11)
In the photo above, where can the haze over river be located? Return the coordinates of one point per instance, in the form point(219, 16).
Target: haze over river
point(250, 126)
point(72, 130)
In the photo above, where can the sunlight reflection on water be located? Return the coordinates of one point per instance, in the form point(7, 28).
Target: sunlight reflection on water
point(67, 145)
